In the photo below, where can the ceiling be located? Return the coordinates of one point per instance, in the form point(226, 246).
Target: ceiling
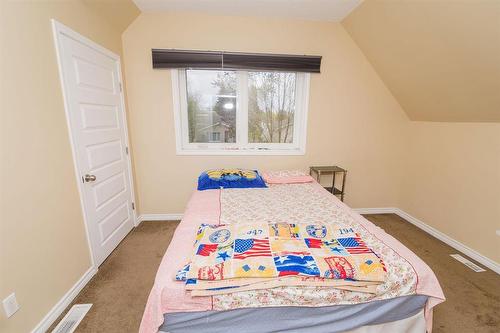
point(324, 10)
point(439, 58)
point(119, 13)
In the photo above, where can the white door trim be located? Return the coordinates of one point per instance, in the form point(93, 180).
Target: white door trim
point(59, 29)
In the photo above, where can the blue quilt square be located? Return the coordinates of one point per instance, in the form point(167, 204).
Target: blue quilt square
point(296, 265)
point(348, 242)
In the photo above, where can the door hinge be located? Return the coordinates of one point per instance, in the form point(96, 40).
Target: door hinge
point(133, 206)
point(121, 88)
point(126, 150)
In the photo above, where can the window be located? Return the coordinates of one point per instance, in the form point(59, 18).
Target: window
point(240, 112)
point(215, 137)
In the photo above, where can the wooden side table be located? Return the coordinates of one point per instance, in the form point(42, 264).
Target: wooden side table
point(330, 170)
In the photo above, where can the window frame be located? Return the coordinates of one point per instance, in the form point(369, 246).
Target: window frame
point(241, 146)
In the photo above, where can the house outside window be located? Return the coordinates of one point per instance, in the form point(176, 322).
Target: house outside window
point(216, 135)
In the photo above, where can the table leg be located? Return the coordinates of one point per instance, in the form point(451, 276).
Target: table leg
point(343, 185)
point(333, 183)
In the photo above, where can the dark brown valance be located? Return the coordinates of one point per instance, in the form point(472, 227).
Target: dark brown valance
point(165, 58)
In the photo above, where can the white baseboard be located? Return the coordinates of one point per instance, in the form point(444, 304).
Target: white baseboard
point(491, 264)
point(159, 217)
point(63, 303)
point(381, 210)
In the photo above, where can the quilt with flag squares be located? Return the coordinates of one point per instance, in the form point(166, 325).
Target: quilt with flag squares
point(236, 255)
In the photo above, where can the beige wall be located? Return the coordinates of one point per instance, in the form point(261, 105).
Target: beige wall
point(353, 119)
point(43, 247)
point(439, 58)
point(452, 181)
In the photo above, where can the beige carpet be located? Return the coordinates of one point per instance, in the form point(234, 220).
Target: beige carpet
point(120, 289)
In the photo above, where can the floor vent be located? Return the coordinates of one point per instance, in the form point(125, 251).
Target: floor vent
point(71, 320)
point(468, 263)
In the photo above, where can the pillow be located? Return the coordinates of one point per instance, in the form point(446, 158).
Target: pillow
point(286, 177)
point(285, 173)
point(229, 178)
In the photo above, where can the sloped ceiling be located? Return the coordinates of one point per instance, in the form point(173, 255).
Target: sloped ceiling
point(440, 58)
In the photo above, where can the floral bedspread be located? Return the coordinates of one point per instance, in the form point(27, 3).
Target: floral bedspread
point(307, 203)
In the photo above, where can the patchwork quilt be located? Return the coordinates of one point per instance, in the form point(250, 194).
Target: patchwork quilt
point(266, 255)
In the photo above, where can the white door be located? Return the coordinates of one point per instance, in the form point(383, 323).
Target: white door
point(91, 84)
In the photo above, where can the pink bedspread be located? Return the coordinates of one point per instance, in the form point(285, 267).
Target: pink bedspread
point(168, 295)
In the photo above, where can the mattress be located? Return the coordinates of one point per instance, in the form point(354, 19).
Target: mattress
point(332, 319)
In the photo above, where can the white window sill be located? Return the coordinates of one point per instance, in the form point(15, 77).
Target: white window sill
point(241, 152)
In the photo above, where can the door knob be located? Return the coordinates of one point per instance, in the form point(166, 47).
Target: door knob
point(89, 178)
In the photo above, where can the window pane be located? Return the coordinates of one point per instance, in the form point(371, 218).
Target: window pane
point(271, 107)
point(211, 100)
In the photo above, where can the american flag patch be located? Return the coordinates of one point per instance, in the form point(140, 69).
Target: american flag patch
point(354, 245)
point(313, 243)
point(206, 249)
point(246, 248)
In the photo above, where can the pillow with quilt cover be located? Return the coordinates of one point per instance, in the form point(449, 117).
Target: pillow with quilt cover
point(286, 177)
point(230, 178)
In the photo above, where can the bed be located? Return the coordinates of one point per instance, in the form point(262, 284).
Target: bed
point(403, 303)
